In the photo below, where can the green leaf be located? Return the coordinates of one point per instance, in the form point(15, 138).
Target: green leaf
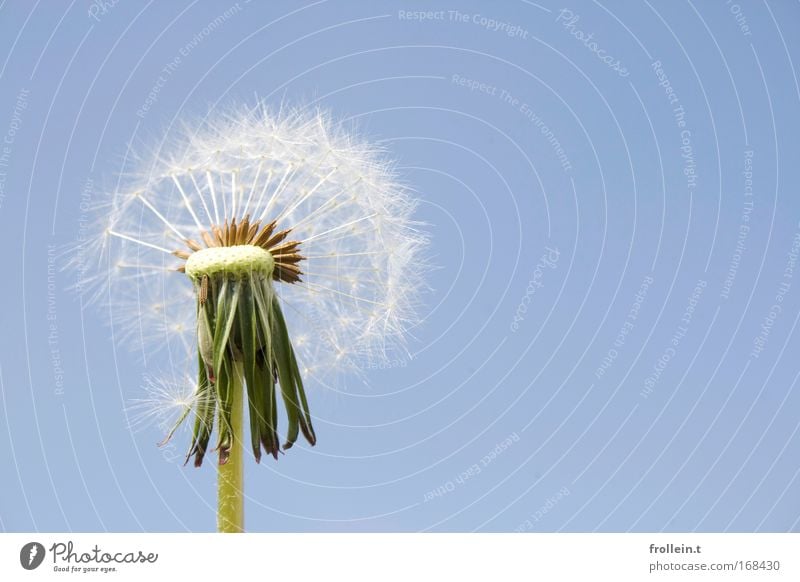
point(262, 293)
point(305, 419)
point(247, 343)
point(243, 337)
point(265, 384)
point(282, 352)
point(225, 316)
point(204, 419)
point(205, 339)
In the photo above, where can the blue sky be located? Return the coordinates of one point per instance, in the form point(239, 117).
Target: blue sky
point(609, 338)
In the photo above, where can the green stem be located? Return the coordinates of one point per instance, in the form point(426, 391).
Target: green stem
point(230, 493)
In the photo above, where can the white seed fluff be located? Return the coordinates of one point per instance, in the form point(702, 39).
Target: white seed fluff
point(339, 195)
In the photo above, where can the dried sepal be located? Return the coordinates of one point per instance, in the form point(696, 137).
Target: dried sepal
point(242, 337)
point(204, 416)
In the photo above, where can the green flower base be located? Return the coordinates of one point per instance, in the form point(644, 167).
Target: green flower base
point(244, 348)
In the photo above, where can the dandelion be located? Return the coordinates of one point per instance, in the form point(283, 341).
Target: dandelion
point(267, 248)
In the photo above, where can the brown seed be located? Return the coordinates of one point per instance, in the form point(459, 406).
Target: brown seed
point(244, 227)
point(218, 235)
point(276, 239)
point(210, 242)
point(293, 258)
point(264, 235)
point(232, 233)
point(291, 268)
point(252, 232)
point(195, 246)
point(285, 248)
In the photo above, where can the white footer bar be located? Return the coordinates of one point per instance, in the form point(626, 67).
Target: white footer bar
point(389, 557)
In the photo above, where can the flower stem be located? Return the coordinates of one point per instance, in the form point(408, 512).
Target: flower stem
point(230, 493)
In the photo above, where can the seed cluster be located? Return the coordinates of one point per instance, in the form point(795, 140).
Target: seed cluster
point(285, 253)
point(214, 190)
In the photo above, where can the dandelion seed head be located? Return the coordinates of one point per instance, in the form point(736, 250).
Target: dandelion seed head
point(361, 250)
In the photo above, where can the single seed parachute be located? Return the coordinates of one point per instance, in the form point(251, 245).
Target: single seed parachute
point(300, 260)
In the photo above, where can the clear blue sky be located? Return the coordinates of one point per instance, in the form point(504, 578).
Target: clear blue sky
point(611, 191)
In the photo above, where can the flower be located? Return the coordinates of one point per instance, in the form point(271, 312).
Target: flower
point(300, 259)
